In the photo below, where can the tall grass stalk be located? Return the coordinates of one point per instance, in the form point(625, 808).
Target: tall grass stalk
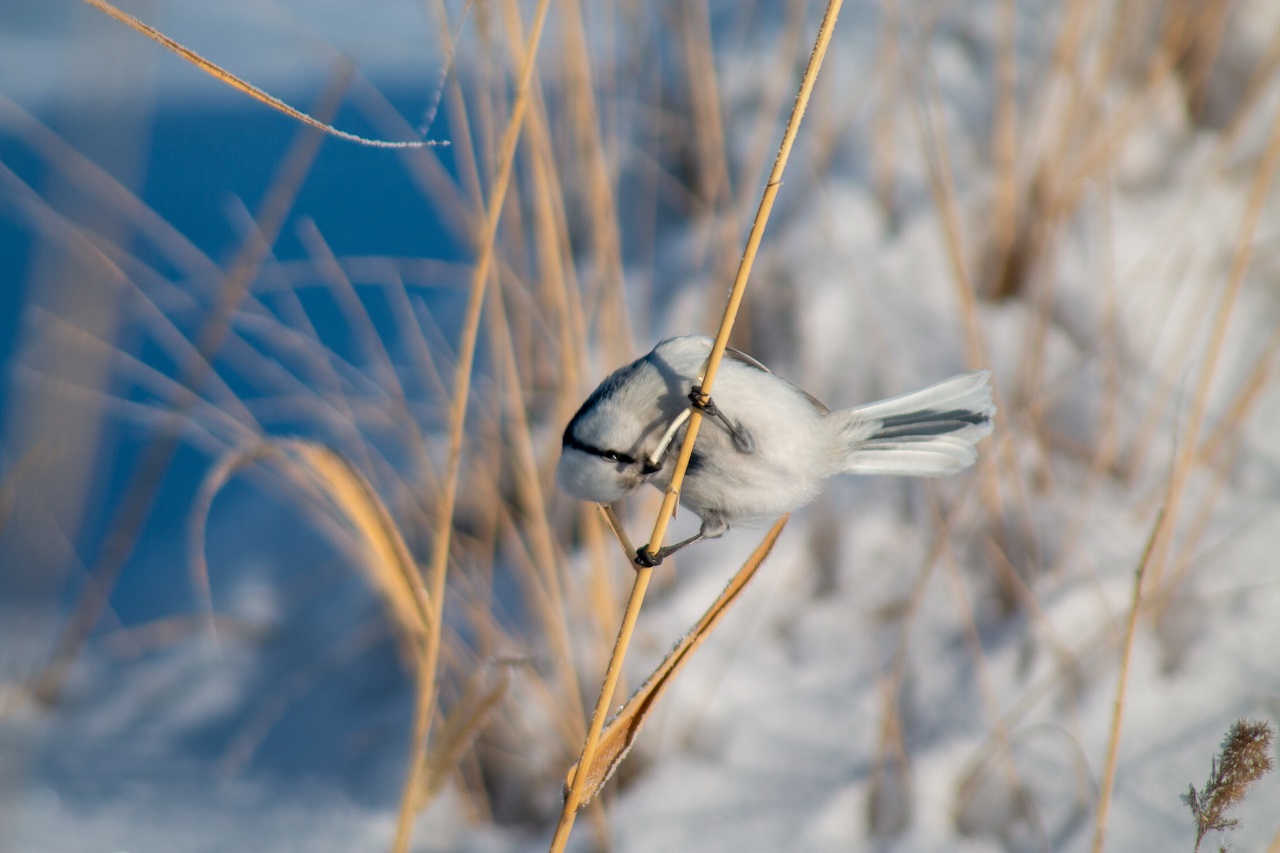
point(242, 85)
point(1219, 322)
point(1107, 783)
point(573, 797)
point(485, 240)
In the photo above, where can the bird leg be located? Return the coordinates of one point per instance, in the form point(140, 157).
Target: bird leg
point(710, 530)
point(703, 402)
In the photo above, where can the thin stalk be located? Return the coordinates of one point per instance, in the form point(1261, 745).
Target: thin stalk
point(614, 668)
point(425, 705)
point(1122, 680)
point(1186, 459)
point(607, 687)
point(771, 188)
point(245, 86)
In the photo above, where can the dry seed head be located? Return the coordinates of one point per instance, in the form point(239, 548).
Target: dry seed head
point(1246, 758)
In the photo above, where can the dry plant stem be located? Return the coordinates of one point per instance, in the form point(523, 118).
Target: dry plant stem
point(1126, 655)
point(1218, 333)
point(665, 513)
point(884, 140)
point(606, 242)
point(825, 31)
point(461, 392)
point(617, 738)
point(243, 85)
point(942, 186)
point(891, 745)
point(536, 525)
point(1000, 737)
point(607, 687)
point(620, 532)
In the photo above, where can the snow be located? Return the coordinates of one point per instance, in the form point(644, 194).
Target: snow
point(989, 634)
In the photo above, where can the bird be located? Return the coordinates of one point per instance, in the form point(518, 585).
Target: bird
point(765, 446)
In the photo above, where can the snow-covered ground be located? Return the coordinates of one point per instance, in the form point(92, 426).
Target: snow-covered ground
point(918, 667)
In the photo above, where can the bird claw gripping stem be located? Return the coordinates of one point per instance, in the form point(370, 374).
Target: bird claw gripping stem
point(702, 401)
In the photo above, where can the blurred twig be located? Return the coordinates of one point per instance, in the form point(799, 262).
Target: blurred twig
point(457, 421)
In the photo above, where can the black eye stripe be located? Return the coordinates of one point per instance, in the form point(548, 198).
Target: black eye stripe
point(571, 440)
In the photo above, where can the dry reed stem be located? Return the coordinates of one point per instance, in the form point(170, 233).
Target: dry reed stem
point(389, 564)
point(197, 566)
point(122, 268)
point(462, 391)
point(555, 272)
point(325, 475)
point(1040, 690)
point(618, 738)
point(942, 186)
point(998, 738)
point(892, 732)
point(220, 425)
point(1220, 450)
point(573, 797)
point(1106, 451)
point(712, 189)
point(825, 30)
point(244, 86)
point(1004, 138)
point(536, 524)
point(375, 353)
point(1248, 395)
point(384, 557)
point(1260, 82)
point(1122, 679)
point(424, 167)
point(772, 101)
point(89, 176)
point(479, 699)
point(606, 242)
point(1220, 320)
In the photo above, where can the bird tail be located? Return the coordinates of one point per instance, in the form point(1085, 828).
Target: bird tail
point(927, 433)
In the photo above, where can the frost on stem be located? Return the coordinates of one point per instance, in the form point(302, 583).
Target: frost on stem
point(1245, 758)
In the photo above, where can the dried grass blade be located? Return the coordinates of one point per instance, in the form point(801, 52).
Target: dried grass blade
point(390, 565)
point(620, 734)
point(198, 520)
point(485, 243)
point(248, 88)
point(458, 729)
point(1107, 782)
point(573, 795)
point(327, 476)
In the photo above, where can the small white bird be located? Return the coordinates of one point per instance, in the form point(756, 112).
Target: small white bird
point(765, 445)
